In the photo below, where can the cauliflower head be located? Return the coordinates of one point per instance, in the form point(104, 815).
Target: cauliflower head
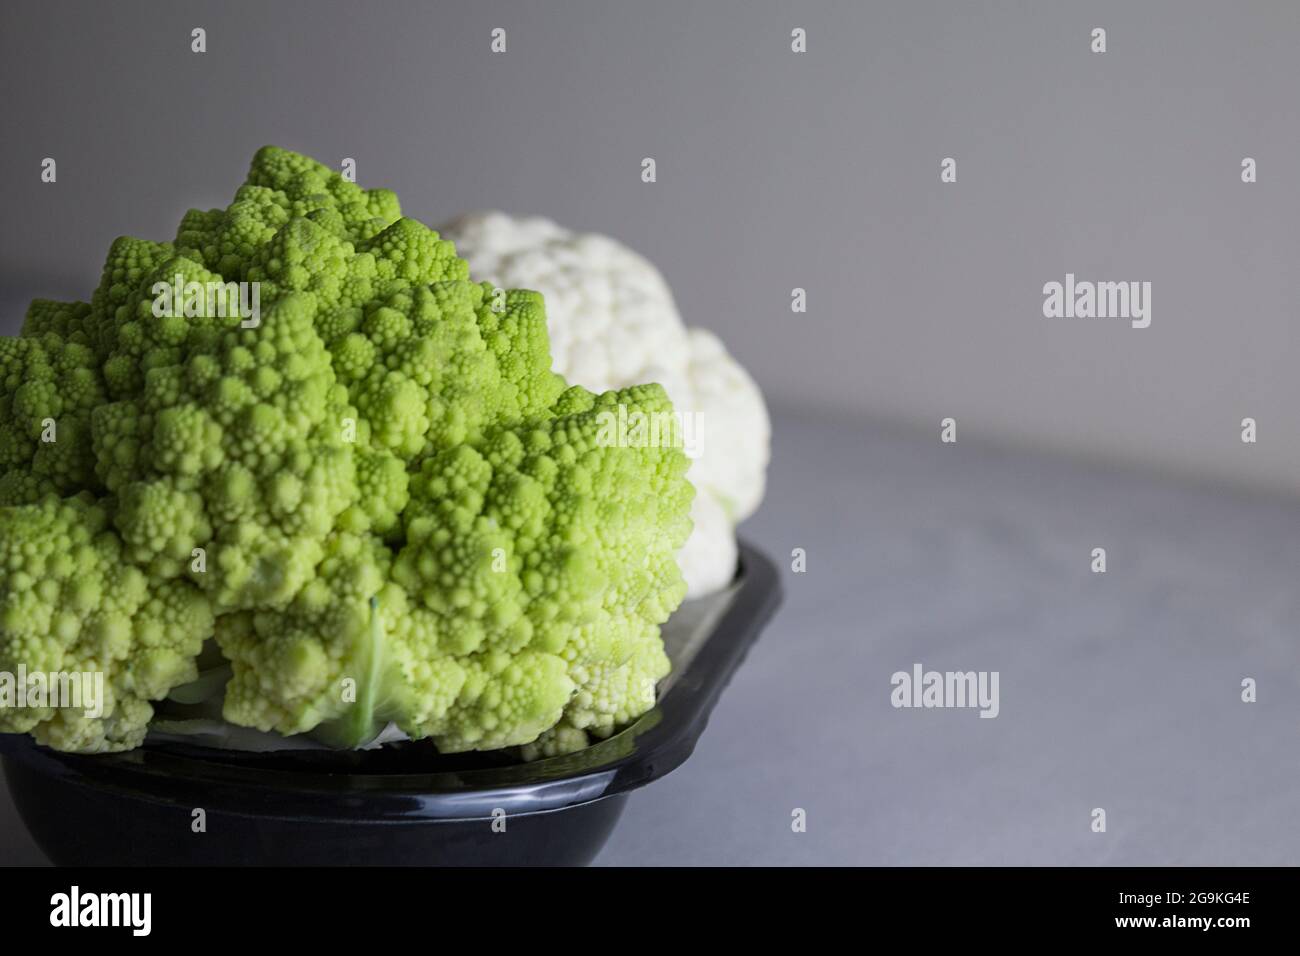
point(613, 323)
point(299, 440)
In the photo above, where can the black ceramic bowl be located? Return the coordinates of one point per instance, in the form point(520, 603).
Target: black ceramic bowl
point(401, 805)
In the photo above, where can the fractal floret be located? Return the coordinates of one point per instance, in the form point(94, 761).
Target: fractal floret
point(295, 467)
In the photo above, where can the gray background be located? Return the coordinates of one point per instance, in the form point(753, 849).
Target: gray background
point(821, 170)
point(776, 170)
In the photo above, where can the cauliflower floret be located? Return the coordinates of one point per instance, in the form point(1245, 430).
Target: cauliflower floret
point(736, 433)
point(708, 559)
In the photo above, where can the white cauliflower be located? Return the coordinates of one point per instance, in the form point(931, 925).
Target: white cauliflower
point(708, 560)
point(613, 323)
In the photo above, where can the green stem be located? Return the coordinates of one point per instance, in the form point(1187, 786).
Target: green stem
point(359, 726)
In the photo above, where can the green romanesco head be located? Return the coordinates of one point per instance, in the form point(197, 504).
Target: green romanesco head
point(300, 429)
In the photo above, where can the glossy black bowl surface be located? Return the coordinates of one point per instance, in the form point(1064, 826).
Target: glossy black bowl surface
point(404, 804)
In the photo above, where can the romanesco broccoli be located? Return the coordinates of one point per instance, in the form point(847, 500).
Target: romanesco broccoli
point(370, 495)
